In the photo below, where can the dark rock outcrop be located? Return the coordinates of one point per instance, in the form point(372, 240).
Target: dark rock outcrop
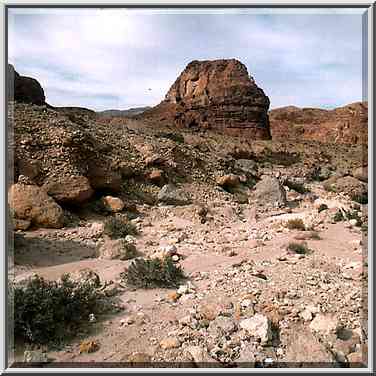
point(218, 95)
point(24, 89)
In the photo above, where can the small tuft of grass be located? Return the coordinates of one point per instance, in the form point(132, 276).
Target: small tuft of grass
point(322, 207)
point(295, 224)
point(299, 248)
point(117, 228)
point(152, 273)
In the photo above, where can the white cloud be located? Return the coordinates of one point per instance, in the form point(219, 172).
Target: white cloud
point(112, 57)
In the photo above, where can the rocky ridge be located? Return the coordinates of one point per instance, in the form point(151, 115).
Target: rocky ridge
point(348, 124)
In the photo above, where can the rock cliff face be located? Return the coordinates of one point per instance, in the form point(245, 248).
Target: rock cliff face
point(346, 125)
point(24, 89)
point(218, 95)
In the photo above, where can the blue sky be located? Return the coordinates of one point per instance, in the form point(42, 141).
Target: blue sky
point(110, 58)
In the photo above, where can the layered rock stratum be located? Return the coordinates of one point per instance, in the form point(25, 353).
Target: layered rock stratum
point(219, 95)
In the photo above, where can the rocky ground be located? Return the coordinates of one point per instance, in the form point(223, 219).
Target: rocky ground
point(221, 206)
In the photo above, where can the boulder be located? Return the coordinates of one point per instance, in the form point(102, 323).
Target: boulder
point(258, 326)
point(218, 95)
point(171, 195)
point(156, 177)
point(247, 166)
point(361, 173)
point(170, 343)
point(86, 275)
point(228, 181)
point(73, 190)
point(120, 249)
point(269, 191)
point(349, 186)
point(32, 203)
point(201, 357)
point(113, 204)
point(324, 324)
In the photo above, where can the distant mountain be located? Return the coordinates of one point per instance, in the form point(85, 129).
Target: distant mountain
point(123, 113)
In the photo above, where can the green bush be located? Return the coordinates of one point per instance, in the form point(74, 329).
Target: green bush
point(298, 187)
point(360, 198)
point(117, 228)
point(150, 273)
point(322, 207)
point(295, 224)
point(364, 228)
point(299, 248)
point(338, 216)
point(354, 215)
point(51, 311)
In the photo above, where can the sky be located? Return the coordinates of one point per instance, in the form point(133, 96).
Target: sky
point(122, 58)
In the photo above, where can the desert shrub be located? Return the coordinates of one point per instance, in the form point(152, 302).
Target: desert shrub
point(116, 228)
point(298, 187)
point(50, 311)
point(364, 228)
point(360, 198)
point(299, 248)
point(354, 215)
point(322, 207)
point(177, 137)
point(149, 273)
point(329, 186)
point(129, 251)
point(338, 216)
point(295, 224)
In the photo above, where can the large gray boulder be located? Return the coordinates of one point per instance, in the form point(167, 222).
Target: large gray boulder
point(171, 195)
point(270, 192)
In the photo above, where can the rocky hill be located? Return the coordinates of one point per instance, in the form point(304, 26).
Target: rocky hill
point(123, 113)
point(218, 95)
point(348, 124)
point(24, 89)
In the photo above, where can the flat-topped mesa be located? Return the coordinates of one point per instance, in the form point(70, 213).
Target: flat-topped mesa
point(218, 95)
